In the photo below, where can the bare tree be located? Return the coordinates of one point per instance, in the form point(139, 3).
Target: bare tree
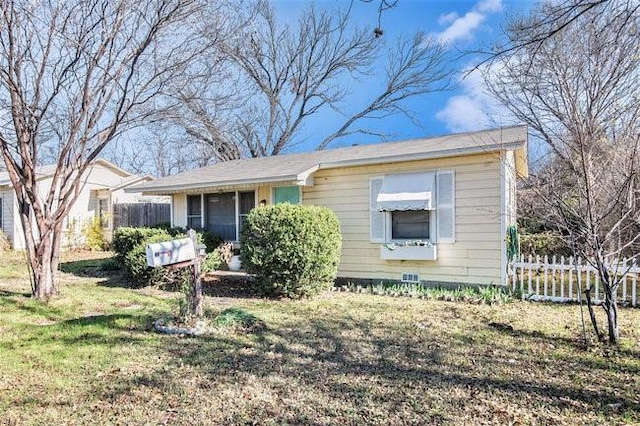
point(531, 32)
point(158, 149)
point(579, 92)
point(73, 75)
point(287, 74)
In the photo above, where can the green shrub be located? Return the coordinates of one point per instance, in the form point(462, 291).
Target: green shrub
point(94, 234)
point(211, 240)
point(125, 239)
point(135, 262)
point(211, 262)
point(294, 250)
point(546, 243)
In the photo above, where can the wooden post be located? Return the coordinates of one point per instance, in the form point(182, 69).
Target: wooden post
point(196, 288)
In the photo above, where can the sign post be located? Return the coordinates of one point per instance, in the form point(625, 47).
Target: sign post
point(196, 289)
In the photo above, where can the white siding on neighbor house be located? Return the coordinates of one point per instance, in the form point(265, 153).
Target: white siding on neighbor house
point(99, 180)
point(8, 209)
point(475, 257)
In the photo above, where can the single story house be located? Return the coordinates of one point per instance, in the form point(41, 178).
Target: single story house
point(433, 209)
point(103, 185)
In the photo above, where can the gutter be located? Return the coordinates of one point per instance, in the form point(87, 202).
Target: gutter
point(421, 156)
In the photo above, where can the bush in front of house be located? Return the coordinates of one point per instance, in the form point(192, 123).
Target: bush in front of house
point(294, 250)
point(126, 238)
point(211, 262)
point(135, 261)
point(130, 245)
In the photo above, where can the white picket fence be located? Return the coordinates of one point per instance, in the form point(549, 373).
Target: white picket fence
point(541, 278)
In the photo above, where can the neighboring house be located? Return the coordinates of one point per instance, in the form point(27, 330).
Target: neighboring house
point(454, 194)
point(103, 185)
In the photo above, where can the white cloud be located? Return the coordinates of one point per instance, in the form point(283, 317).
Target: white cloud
point(463, 27)
point(473, 109)
point(489, 6)
point(448, 18)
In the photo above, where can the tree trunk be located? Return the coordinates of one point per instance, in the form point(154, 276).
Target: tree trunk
point(610, 307)
point(592, 315)
point(195, 287)
point(43, 258)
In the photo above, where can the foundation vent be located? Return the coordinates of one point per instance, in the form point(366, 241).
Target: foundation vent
point(410, 277)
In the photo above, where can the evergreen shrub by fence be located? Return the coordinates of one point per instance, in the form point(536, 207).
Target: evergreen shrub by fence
point(294, 250)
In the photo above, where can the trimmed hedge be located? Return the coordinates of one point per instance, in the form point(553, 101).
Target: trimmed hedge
point(125, 239)
point(130, 246)
point(294, 250)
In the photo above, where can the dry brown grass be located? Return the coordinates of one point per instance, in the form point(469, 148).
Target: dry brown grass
point(89, 358)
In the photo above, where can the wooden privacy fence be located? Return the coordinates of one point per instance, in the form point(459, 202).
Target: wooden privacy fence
point(140, 214)
point(562, 280)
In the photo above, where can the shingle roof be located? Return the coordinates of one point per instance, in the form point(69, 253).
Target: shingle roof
point(297, 167)
point(43, 172)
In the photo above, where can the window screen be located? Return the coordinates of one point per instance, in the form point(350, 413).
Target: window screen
point(194, 212)
point(410, 224)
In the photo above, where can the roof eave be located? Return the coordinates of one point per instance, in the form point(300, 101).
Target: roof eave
point(457, 152)
point(173, 189)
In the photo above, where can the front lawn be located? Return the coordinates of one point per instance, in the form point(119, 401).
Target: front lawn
point(88, 357)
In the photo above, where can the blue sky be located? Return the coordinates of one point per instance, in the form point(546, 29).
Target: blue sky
point(465, 26)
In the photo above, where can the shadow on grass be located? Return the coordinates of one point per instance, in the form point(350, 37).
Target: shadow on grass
point(24, 302)
point(325, 357)
point(602, 362)
point(107, 330)
point(233, 287)
point(108, 270)
point(7, 293)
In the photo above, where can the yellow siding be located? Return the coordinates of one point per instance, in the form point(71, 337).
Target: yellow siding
point(473, 258)
point(179, 210)
point(264, 193)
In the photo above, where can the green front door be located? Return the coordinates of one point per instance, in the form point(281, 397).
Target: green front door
point(286, 194)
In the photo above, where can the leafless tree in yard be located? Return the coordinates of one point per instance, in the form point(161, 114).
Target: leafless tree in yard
point(530, 32)
point(286, 75)
point(73, 75)
point(579, 92)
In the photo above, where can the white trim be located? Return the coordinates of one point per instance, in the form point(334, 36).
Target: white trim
point(201, 210)
point(503, 220)
point(237, 207)
point(440, 205)
point(372, 209)
point(171, 210)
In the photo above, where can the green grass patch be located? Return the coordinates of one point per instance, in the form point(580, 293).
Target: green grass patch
point(237, 318)
point(91, 357)
point(489, 295)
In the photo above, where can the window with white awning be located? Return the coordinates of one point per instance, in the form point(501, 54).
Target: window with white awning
point(413, 206)
point(407, 191)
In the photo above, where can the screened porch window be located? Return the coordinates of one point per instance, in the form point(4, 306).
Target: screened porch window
point(194, 211)
point(226, 213)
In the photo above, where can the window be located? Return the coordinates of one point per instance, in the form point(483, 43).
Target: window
point(402, 207)
point(286, 194)
point(194, 211)
point(103, 212)
point(247, 203)
point(410, 225)
point(226, 213)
